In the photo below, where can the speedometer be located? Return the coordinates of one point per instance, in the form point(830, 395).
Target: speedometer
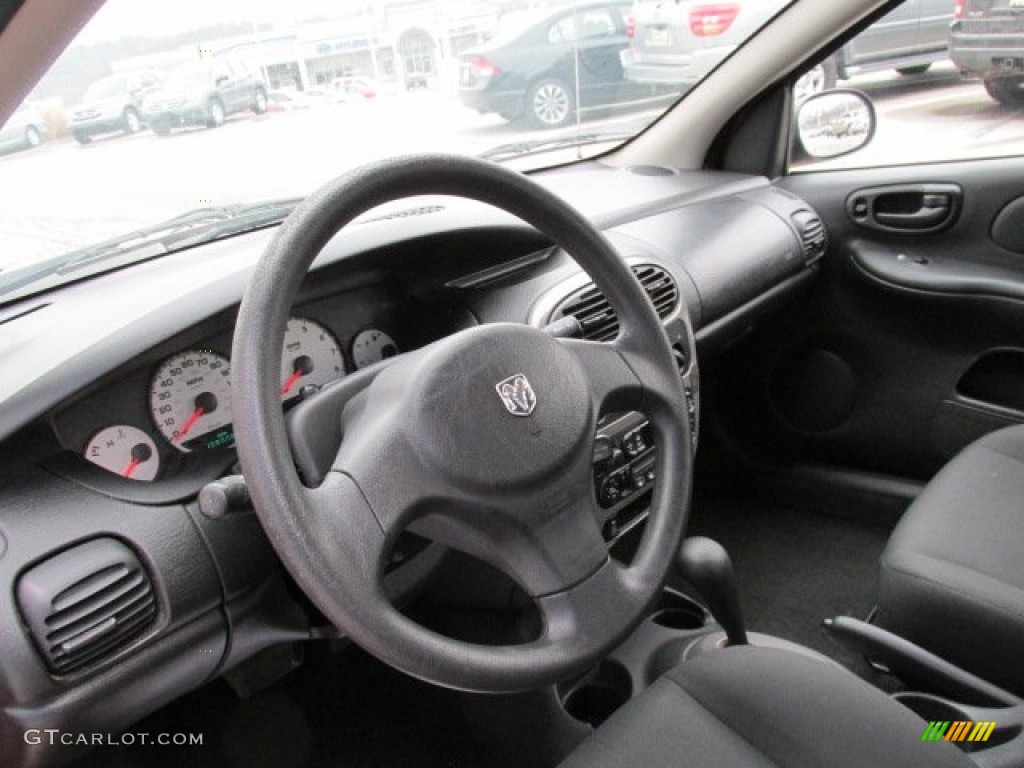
point(311, 357)
point(190, 399)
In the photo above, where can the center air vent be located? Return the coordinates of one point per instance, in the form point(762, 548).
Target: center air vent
point(812, 235)
point(86, 604)
point(598, 320)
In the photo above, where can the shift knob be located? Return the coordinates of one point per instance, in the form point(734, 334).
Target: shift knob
point(705, 564)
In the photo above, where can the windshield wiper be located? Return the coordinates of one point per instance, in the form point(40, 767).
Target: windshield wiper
point(195, 227)
point(518, 149)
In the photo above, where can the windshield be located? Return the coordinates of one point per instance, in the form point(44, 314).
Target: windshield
point(265, 100)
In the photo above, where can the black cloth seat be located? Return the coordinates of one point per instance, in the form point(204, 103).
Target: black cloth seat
point(952, 574)
point(748, 706)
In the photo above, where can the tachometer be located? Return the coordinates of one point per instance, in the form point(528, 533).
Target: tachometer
point(125, 451)
point(190, 399)
point(371, 346)
point(311, 357)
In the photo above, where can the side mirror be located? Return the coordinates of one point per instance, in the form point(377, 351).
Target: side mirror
point(834, 123)
point(222, 81)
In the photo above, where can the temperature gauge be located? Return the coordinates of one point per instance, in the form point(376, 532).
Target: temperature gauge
point(125, 451)
point(372, 346)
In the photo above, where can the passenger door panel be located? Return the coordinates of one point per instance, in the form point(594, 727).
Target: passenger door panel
point(913, 343)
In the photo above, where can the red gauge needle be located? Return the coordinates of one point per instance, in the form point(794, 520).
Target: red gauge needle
point(140, 453)
point(197, 414)
point(292, 380)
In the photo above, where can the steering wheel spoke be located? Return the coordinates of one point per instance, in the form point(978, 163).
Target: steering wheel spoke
point(547, 541)
point(614, 386)
point(343, 523)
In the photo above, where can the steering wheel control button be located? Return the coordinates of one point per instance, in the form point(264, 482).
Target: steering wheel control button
point(630, 441)
point(517, 395)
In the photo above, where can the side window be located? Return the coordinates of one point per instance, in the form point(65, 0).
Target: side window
point(938, 92)
point(563, 30)
point(595, 24)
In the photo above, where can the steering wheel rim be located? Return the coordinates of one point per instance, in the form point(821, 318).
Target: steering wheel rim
point(332, 539)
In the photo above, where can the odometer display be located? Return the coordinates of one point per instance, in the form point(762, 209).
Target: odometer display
point(190, 399)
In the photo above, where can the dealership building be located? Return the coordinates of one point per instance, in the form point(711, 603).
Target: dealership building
point(399, 43)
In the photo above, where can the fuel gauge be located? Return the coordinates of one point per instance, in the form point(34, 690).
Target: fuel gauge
point(125, 451)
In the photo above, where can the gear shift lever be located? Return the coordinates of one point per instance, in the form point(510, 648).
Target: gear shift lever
point(705, 564)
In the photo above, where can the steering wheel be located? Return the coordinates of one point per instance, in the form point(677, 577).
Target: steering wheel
point(482, 441)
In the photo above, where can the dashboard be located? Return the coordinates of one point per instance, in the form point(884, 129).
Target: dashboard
point(116, 416)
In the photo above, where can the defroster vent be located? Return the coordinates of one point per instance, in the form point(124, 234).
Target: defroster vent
point(589, 306)
point(86, 604)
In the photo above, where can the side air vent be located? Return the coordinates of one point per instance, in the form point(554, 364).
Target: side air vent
point(595, 315)
point(812, 235)
point(86, 604)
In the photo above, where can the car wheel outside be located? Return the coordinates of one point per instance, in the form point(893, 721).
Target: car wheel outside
point(32, 137)
point(82, 138)
point(920, 69)
point(132, 122)
point(818, 78)
point(215, 115)
point(259, 103)
point(549, 103)
point(1006, 90)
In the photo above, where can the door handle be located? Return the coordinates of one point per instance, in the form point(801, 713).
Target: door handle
point(906, 208)
point(925, 217)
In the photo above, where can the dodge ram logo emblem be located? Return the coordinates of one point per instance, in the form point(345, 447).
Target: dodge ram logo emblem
point(517, 395)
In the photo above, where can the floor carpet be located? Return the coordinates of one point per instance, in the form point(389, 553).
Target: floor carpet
point(795, 567)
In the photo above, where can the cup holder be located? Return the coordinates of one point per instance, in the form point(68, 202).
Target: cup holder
point(595, 698)
point(929, 707)
point(676, 611)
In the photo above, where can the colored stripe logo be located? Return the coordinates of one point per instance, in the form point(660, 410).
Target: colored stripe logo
point(958, 730)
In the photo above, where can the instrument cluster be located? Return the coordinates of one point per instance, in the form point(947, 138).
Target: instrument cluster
point(188, 399)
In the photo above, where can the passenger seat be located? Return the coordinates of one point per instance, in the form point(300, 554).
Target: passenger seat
point(952, 578)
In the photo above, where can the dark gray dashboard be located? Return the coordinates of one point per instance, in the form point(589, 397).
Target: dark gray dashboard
point(81, 356)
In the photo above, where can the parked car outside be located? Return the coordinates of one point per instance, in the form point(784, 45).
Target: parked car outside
point(348, 89)
point(112, 104)
point(987, 41)
point(530, 68)
point(24, 130)
point(680, 42)
point(205, 93)
point(288, 100)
